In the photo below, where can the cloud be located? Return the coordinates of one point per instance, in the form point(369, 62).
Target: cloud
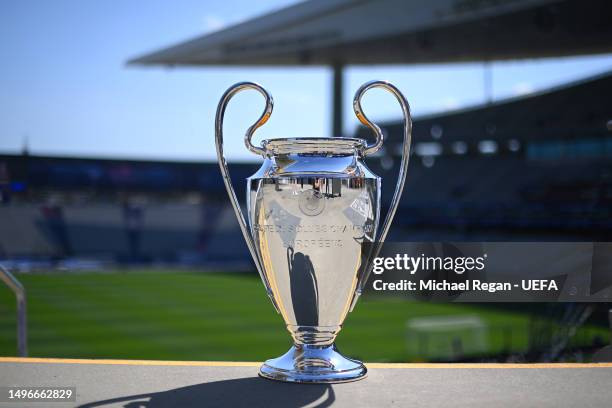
point(522, 88)
point(213, 22)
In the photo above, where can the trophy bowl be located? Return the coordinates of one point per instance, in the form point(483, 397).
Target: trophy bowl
point(313, 212)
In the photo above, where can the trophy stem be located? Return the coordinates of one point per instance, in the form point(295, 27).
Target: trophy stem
point(306, 363)
point(320, 336)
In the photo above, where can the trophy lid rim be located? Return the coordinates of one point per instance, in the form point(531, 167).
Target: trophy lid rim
point(297, 145)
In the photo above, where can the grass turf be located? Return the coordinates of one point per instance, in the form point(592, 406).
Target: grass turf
point(208, 316)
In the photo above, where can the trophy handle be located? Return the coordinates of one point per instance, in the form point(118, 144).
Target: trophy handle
point(373, 148)
point(233, 90)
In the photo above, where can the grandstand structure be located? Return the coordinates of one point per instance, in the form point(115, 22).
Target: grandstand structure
point(535, 167)
point(115, 210)
point(538, 167)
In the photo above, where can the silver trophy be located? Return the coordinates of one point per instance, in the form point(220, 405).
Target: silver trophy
point(313, 208)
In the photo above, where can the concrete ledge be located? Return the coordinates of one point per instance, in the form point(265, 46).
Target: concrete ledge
point(146, 383)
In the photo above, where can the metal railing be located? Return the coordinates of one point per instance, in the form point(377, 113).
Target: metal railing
point(22, 322)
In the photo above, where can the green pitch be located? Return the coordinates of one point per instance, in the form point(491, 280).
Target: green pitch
point(208, 316)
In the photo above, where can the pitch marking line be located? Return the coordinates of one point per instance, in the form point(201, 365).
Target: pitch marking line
point(257, 364)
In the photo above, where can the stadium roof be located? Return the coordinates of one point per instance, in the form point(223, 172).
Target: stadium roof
point(341, 32)
point(331, 32)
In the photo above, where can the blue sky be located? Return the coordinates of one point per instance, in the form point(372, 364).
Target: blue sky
point(67, 91)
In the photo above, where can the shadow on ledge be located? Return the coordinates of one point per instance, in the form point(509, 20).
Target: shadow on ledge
point(242, 392)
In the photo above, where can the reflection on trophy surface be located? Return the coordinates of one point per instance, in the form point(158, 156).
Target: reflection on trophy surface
point(309, 241)
point(311, 208)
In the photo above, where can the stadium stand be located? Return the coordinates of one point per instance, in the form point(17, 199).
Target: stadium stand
point(536, 167)
point(531, 168)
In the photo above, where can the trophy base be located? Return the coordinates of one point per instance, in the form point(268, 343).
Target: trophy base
point(313, 364)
